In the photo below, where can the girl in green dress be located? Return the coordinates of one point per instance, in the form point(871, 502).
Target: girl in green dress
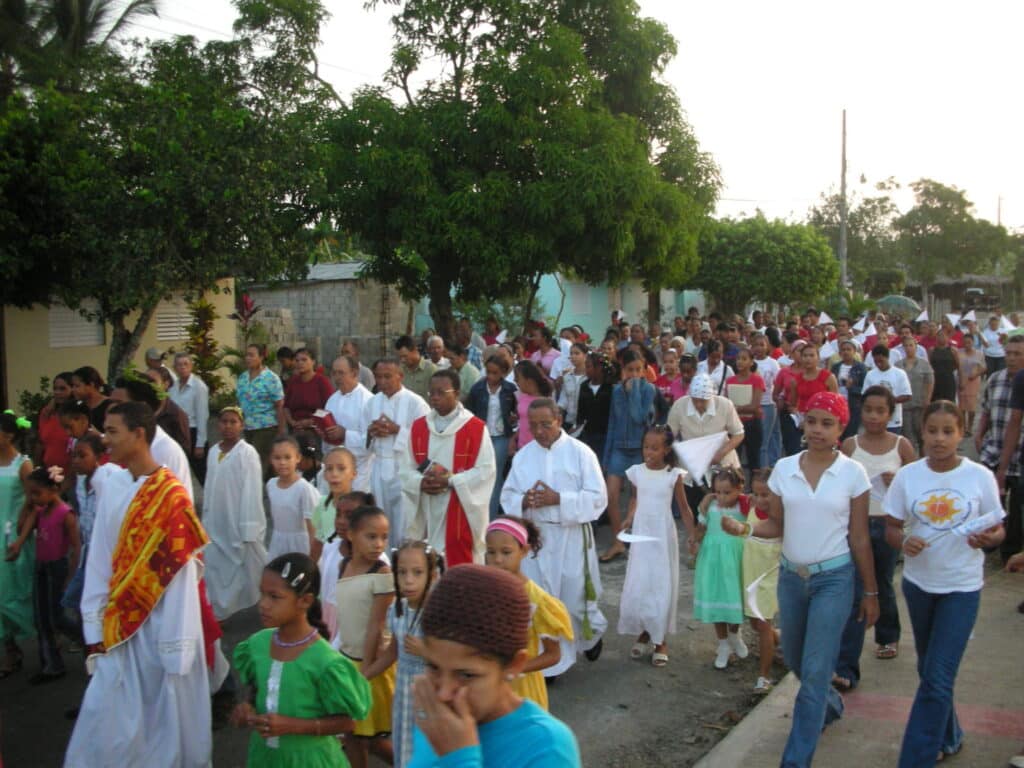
point(718, 582)
point(17, 565)
point(303, 693)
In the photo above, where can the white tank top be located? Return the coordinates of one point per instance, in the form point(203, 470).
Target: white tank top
point(876, 464)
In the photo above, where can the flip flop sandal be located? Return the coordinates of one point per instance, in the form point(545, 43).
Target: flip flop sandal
point(659, 659)
point(889, 651)
point(841, 683)
point(639, 650)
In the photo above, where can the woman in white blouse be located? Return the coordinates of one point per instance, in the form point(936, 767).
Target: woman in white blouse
point(951, 505)
point(819, 506)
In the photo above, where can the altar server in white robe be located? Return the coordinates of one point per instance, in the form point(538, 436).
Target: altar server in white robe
point(389, 415)
point(234, 518)
point(447, 471)
point(348, 407)
point(164, 448)
point(556, 482)
point(148, 701)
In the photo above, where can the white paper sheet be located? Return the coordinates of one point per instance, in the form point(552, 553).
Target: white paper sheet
point(1005, 324)
point(634, 538)
point(878, 488)
point(824, 319)
point(696, 453)
point(970, 317)
point(859, 325)
point(924, 316)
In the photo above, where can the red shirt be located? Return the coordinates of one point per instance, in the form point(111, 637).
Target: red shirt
point(55, 441)
point(672, 389)
point(808, 388)
point(753, 380)
point(301, 398)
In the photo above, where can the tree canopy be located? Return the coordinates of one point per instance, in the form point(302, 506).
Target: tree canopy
point(165, 171)
point(522, 157)
point(767, 260)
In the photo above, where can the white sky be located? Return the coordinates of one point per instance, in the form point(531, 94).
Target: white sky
point(928, 87)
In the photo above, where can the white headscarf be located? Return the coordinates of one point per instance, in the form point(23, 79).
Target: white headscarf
point(701, 387)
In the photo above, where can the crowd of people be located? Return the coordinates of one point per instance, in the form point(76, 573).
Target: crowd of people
point(418, 535)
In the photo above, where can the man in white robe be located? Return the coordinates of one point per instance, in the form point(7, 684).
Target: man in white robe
point(164, 448)
point(389, 415)
point(556, 482)
point(447, 472)
point(348, 407)
point(236, 523)
point(148, 702)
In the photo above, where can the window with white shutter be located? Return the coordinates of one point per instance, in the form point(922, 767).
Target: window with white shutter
point(69, 328)
point(172, 321)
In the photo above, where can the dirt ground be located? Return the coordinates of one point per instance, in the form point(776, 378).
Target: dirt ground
point(624, 713)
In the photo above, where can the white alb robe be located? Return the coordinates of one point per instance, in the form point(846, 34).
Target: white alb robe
point(570, 468)
point(426, 516)
point(349, 411)
point(236, 523)
point(403, 408)
point(166, 450)
point(148, 702)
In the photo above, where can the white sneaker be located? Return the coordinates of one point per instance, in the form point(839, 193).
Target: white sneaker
point(722, 657)
point(738, 646)
point(763, 686)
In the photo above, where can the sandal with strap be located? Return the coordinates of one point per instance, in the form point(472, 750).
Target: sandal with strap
point(887, 651)
point(639, 650)
point(659, 659)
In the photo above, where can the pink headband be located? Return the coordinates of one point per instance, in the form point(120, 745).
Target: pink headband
point(832, 403)
point(513, 528)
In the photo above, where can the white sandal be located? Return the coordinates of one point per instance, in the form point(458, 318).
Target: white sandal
point(659, 659)
point(639, 650)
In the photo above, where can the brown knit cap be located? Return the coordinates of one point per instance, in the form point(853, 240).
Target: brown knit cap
point(482, 607)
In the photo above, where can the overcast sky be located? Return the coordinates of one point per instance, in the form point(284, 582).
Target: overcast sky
point(930, 88)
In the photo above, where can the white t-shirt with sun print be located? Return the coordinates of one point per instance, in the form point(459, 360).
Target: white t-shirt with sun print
point(933, 503)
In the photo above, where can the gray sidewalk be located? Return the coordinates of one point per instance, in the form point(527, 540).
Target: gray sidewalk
point(989, 698)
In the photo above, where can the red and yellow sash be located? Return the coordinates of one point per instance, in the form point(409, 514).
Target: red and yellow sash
point(458, 534)
point(159, 534)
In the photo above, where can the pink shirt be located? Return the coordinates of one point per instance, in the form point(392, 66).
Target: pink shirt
point(545, 360)
point(52, 540)
point(524, 435)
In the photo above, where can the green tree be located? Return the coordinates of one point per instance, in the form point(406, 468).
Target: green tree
point(940, 235)
point(508, 166)
point(163, 174)
point(870, 237)
point(758, 259)
point(49, 40)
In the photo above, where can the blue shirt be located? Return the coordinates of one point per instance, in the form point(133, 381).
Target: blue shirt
point(257, 398)
point(528, 737)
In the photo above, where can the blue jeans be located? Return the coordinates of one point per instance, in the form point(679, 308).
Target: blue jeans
point(812, 612)
point(771, 439)
point(887, 629)
point(942, 625)
point(500, 445)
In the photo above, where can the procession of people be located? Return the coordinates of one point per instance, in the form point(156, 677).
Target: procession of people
point(421, 547)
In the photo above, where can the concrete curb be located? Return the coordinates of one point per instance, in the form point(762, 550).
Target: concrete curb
point(758, 730)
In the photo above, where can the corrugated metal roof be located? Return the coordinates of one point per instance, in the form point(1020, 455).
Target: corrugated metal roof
point(344, 270)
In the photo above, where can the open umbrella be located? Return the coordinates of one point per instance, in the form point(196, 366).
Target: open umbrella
point(900, 304)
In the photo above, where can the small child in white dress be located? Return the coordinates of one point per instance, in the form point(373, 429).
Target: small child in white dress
point(292, 501)
point(651, 590)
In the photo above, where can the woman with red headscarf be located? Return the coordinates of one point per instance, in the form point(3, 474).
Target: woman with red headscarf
point(819, 506)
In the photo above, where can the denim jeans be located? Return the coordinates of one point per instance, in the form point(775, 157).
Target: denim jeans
point(812, 612)
point(50, 618)
point(942, 625)
point(771, 439)
point(500, 444)
point(887, 629)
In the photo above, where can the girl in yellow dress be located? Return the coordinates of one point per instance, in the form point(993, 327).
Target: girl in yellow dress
point(509, 540)
point(365, 590)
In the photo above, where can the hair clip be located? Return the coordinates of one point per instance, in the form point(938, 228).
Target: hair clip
point(286, 570)
point(298, 579)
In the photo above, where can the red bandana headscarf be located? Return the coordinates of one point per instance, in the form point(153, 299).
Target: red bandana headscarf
point(832, 403)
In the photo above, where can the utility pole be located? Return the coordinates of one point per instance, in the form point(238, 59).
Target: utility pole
point(842, 213)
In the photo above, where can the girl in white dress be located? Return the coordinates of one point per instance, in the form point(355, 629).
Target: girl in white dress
point(292, 501)
point(651, 590)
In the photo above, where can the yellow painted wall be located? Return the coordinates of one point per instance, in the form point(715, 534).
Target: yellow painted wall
point(29, 356)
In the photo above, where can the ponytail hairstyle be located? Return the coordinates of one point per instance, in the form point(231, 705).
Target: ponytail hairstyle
point(941, 406)
point(671, 460)
point(16, 427)
point(533, 538)
point(41, 476)
point(731, 474)
point(93, 441)
point(363, 513)
point(300, 574)
point(435, 562)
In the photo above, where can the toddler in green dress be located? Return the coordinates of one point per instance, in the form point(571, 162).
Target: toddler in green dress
point(718, 582)
point(303, 693)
